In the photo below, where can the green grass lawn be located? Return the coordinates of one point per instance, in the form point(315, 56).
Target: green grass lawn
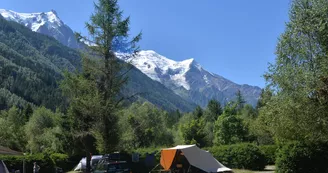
point(242, 171)
point(268, 169)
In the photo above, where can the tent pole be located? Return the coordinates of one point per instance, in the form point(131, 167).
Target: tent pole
point(153, 168)
point(24, 169)
point(188, 169)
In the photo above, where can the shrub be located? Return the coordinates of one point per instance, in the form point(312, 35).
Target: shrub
point(269, 152)
point(47, 162)
point(298, 157)
point(243, 156)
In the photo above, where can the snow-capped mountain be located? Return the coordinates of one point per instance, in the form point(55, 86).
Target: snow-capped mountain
point(47, 23)
point(189, 80)
point(162, 69)
point(186, 78)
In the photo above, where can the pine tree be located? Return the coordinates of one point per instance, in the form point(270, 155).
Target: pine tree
point(240, 101)
point(109, 31)
point(28, 111)
point(198, 112)
point(213, 110)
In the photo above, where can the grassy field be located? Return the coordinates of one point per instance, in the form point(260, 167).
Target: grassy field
point(268, 169)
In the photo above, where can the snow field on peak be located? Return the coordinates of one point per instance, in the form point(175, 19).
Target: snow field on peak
point(33, 20)
point(156, 66)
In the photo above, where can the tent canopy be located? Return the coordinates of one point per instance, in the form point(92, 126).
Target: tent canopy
point(196, 157)
point(8, 151)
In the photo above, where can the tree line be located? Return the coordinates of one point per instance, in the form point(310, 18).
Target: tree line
point(292, 107)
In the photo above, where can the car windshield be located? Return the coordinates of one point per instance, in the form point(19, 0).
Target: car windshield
point(95, 162)
point(117, 166)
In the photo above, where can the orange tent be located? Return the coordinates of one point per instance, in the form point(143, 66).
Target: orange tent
point(195, 157)
point(167, 157)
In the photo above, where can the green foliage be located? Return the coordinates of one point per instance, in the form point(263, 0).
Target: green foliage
point(243, 156)
point(48, 162)
point(297, 110)
point(211, 114)
point(30, 67)
point(229, 128)
point(193, 132)
point(240, 101)
point(171, 119)
point(143, 125)
point(269, 152)
point(259, 126)
point(302, 158)
point(31, 64)
point(109, 31)
point(84, 107)
point(213, 110)
point(198, 112)
point(12, 129)
point(44, 132)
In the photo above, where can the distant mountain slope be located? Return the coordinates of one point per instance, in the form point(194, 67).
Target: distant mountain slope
point(47, 23)
point(186, 78)
point(189, 80)
point(31, 65)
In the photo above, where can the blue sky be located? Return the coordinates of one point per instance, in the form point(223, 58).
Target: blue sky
point(233, 38)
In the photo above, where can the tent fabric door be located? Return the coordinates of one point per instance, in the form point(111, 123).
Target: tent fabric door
point(167, 157)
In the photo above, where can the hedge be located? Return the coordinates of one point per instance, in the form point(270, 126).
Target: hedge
point(298, 157)
point(242, 156)
point(269, 152)
point(47, 162)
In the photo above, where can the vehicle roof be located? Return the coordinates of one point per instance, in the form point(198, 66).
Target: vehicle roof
point(116, 162)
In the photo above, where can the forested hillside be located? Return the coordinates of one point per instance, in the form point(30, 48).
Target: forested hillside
point(32, 65)
point(58, 103)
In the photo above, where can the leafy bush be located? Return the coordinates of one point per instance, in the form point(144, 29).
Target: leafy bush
point(243, 156)
point(47, 162)
point(302, 158)
point(269, 152)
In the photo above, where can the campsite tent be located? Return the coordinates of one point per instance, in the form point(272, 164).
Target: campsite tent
point(191, 155)
point(82, 164)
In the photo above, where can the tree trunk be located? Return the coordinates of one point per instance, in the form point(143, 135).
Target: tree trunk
point(88, 160)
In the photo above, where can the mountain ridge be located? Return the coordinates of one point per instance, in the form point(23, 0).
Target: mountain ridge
point(190, 80)
point(47, 23)
point(31, 65)
point(186, 78)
